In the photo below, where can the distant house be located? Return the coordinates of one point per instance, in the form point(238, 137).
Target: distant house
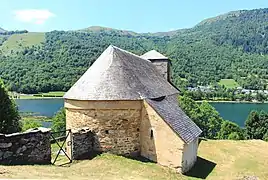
point(127, 101)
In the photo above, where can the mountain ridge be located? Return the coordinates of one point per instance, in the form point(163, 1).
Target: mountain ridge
point(234, 46)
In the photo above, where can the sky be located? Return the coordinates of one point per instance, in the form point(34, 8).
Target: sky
point(134, 15)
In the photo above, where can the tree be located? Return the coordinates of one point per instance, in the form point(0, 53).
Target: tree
point(256, 125)
point(211, 120)
point(9, 116)
point(230, 130)
point(205, 116)
point(252, 125)
point(59, 121)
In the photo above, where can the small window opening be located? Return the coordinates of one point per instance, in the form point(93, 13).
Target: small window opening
point(106, 131)
point(152, 134)
point(138, 129)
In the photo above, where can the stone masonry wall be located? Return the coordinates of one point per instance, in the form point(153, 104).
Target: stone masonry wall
point(82, 143)
point(159, 142)
point(30, 147)
point(115, 129)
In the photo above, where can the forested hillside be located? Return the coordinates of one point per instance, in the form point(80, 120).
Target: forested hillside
point(231, 46)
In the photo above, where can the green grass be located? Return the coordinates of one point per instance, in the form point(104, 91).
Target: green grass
point(229, 83)
point(53, 94)
point(17, 42)
point(217, 159)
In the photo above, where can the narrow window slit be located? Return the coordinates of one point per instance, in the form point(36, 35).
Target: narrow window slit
point(152, 134)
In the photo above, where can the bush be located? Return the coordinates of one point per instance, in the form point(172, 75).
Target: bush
point(234, 136)
point(28, 124)
point(59, 121)
point(230, 130)
point(256, 125)
point(265, 137)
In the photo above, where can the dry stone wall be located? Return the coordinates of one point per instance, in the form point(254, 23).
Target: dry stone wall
point(30, 147)
point(82, 143)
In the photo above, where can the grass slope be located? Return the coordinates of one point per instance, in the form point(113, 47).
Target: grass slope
point(217, 160)
point(229, 83)
point(17, 42)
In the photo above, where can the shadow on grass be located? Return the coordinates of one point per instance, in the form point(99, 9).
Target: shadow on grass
point(201, 169)
point(139, 158)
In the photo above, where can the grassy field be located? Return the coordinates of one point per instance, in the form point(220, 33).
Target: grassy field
point(229, 83)
point(217, 160)
point(17, 42)
point(53, 94)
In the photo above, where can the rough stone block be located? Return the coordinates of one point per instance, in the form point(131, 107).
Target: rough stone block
point(5, 145)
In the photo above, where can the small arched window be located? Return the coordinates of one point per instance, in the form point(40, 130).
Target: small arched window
point(151, 134)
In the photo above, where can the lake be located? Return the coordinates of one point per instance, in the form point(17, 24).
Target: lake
point(236, 112)
point(40, 107)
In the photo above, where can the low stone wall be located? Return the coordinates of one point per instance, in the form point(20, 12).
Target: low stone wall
point(30, 147)
point(82, 143)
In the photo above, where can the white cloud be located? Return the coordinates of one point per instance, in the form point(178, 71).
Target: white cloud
point(35, 16)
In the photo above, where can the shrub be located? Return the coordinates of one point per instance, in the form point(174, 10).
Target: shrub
point(234, 136)
point(230, 130)
point(59, 121)
point(265, 137)
point(28, 124)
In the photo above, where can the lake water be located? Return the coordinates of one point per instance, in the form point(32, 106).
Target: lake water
point(40, 107)
point(236, 112)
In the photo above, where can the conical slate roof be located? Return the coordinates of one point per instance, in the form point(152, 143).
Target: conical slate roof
point(153, 55)
point(120, 75)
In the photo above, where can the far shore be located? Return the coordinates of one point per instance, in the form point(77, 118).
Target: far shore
point(49, 95)
point(37, 97)
point(227, 101)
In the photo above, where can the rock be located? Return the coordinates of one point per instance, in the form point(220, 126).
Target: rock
point(24, 141)
point(7, 154)
point(21, 149)
point(249, 178)
point(1, 153)
point(5, 145)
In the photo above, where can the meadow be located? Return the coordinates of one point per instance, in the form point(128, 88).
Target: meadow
point(217, 159)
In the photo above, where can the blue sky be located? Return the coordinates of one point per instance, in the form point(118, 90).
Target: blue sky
point(138, 15)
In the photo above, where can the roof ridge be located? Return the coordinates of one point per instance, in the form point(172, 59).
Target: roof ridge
point(115, 47)
point(153, 54)
point(120, 75)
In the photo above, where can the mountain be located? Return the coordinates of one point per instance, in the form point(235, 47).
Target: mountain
point(2, 30)
point(107, 30)
point(229, 46)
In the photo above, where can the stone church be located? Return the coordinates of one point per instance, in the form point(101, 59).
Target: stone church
point(132, 108)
